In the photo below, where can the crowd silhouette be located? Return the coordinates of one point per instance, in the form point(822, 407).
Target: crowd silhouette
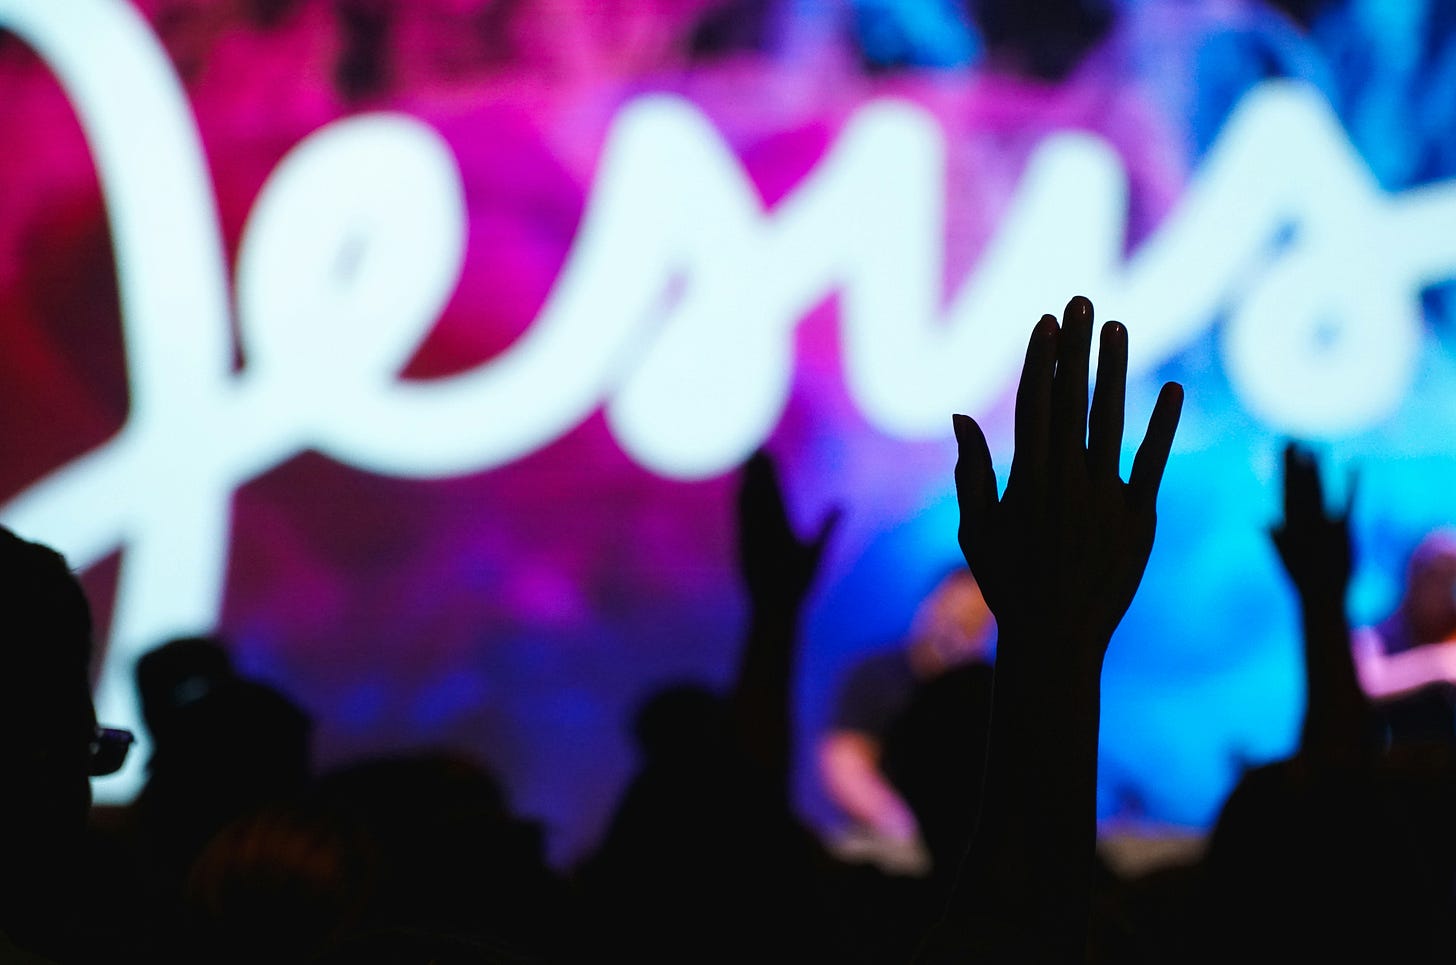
point(971, 781)
point(239, 849)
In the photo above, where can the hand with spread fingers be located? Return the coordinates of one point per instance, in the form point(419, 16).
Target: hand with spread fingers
point(1058, 557)
point(1062, 552)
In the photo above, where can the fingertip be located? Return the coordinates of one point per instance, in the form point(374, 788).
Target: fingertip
point(1041, 347)
point(1169, 408)
point(1152, 455)
point(1080, 307)
point(969, 435)
point(1112, 350)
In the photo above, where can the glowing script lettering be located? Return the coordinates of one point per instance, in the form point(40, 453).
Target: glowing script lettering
point(357, 239)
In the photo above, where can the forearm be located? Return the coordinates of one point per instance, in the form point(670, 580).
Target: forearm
point(761, 693)
point(1338, 717)
point(1026, 879)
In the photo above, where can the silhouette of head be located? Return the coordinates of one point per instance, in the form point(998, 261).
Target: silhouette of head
point(282, 884)
point(679, 722)
point(451, 855)
point(231, 746)
point(177, 674)
point(49, 723)
point(1343, 863)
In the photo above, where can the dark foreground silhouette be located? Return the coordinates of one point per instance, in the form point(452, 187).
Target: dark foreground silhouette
point(238, 850)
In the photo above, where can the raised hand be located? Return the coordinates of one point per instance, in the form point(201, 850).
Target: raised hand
point(1058, 557)
point(1063, 550)
point(777, 565)
point(1314, 545)
point(778, 569)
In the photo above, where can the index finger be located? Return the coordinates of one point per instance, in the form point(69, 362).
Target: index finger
point(1152, 455)
point(1034, 406)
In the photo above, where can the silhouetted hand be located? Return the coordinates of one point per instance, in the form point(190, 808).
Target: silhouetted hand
point(1315, 546)
point(1313, 543)
point(1062, 552)
point(1058, 558)
point(777, 566)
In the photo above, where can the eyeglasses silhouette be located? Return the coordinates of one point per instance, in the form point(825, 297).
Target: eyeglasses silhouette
point(109, 747)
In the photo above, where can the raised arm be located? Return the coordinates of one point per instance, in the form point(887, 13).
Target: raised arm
point(1058, 557)
point(778, 569)
point(1314, 545)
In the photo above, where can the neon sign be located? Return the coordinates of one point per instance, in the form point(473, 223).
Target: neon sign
point(357, 240)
